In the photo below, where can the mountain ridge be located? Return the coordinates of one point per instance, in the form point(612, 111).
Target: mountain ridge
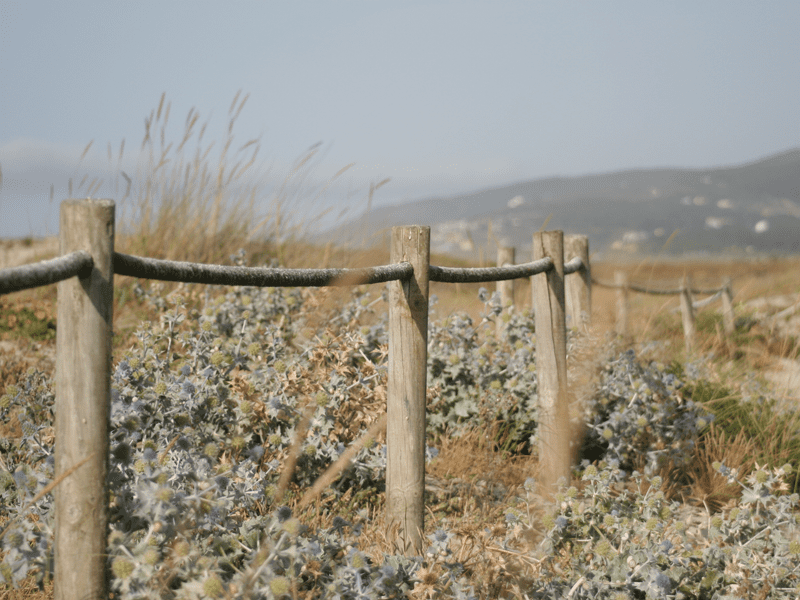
point(750, 207)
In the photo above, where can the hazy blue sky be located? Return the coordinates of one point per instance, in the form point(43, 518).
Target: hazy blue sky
point(439, 96)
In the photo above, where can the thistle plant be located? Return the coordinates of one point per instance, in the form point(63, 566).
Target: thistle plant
point(224, 389)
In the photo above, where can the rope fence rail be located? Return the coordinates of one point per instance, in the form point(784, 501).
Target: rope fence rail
point(658, 291)
point(45, 272)
point(489, 274)
point(86, 272)
point(188, 272)
point(687, 303)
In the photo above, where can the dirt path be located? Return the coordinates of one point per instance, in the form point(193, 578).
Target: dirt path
point(780, 316)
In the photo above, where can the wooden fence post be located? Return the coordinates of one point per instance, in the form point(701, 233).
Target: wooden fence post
point(621, 282)
point(687, 312)
point(406, 393)
point(505, 256)
point(83, 386)
point(578, 286)
point(551, 361)
point(727, 306)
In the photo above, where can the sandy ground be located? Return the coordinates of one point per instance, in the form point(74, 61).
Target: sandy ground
point(781, 315)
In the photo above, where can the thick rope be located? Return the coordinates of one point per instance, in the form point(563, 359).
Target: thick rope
point(701, 303)
point(658, 292)
point(168, 270)
point(646, 290)
point(489, 274)
point(707, 301)
point(574, 265)
point(45, 272)
point(80, 263)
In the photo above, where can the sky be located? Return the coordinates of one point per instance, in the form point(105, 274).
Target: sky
point(440, 97)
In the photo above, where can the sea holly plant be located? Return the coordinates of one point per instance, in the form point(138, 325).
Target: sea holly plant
point(639, 419)
point(478, 378)
point(224, 389)
point(603, 539)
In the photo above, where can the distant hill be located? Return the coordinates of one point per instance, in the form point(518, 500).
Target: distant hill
point(748, 208)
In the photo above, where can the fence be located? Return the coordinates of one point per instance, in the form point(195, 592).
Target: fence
point(687, 305)
point(85, 273)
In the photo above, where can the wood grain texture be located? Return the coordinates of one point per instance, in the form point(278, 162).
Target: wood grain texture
point(551, 360)
point(406, 394)
point(727, 307)
point(621, 281)
point(83, 385)
point(687, 313)
point(505, 256)
point(578, 286)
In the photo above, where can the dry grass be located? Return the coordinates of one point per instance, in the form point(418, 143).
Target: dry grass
point(182, 206)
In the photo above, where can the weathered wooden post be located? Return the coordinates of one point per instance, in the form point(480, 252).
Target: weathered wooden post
point(551, 360)
point(687, 312)
point(727, 306)
point(83, 385)
point(505, 256)
point(578, 286)
point(621, 283)
point(406, 393)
